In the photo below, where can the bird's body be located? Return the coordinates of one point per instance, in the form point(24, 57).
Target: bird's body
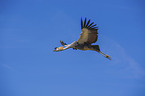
point(88, 36)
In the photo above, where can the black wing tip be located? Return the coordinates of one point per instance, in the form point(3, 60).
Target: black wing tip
point(81, 23)
point(86, 24)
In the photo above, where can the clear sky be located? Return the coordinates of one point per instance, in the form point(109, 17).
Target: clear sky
point(31, 29)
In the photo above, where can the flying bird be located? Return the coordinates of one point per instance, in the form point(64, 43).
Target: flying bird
point(88, 36)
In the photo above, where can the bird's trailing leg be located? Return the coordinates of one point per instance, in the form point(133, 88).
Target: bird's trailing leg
point(105, 55)
point(96, 47)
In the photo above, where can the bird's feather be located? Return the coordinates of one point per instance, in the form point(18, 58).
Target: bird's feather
point(81, 23)
point(85, 23)
point(89, 34)
point(91, 24)
point(88, 23)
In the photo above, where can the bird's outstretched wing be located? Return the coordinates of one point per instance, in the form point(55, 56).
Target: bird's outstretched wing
point(89, 32)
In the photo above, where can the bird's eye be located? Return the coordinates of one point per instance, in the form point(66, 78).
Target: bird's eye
point(55, 47)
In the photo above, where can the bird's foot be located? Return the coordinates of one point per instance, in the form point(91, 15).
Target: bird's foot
point(107, 56)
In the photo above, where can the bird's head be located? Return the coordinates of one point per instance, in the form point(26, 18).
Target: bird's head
point(56, 49)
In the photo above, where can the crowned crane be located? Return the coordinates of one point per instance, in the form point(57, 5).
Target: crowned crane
point(88, 36)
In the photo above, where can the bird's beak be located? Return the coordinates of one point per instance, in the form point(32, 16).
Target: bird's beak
point(54, 50)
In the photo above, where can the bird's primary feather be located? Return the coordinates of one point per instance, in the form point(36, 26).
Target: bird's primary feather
point(88, 23)
point(91, 24)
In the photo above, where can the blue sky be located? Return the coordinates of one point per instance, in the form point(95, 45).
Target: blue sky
point(31, 29)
